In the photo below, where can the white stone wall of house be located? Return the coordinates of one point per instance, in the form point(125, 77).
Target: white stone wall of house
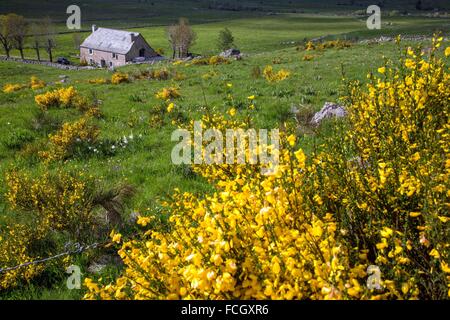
point(102, 58)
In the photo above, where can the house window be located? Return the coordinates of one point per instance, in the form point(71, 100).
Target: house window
point(91, 61)
point(114, 55)
point(110, 64)
point(91, 51)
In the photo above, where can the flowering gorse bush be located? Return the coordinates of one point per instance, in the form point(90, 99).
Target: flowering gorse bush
point(36, 83)
point(211, 61)
point(375, 194)
point(12, 87)
point(320, 46)
point(63, 143)
point(119, 77)
point(168, 93)
point(61, 98)
point(48, 202)
point(14, 241)
point(56, 200)
point(272, 76)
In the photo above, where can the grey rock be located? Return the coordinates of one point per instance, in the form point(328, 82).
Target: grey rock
point(95, 267)
point(329, 110)
point(133, 217)
point(230, 53)
point(102, 262)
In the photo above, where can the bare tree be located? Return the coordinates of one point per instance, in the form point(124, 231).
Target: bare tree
point(6, 33)
point(19, 27)
point(181, 37)
point(48, 37)
point(37, 38)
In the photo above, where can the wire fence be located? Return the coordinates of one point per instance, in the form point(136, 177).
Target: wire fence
point(71, 248)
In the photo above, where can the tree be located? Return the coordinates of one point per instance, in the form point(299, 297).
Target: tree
point(225, 40)
point(19, 29)
point(37, 38)
point(419, 5)
point(48, 37)
point(76, 37)
point(6, 33)
point(181, 37)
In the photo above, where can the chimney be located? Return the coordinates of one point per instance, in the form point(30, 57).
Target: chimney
point(133, 36)
point(94, 28)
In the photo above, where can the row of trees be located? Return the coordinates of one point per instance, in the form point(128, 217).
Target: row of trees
point(182, 37)
point(15, 29)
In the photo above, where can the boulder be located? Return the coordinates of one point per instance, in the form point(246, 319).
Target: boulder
point(230, 53)
point(329, 110)
point(102, 262)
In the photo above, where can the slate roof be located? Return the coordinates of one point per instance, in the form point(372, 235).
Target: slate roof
point(110, 40)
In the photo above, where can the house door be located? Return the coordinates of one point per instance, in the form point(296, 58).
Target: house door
point(142, 52)
point(103, 63)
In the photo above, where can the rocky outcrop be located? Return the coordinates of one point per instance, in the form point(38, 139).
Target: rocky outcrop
point(329, 110)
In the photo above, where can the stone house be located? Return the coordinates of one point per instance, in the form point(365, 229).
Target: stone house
point(111, 48)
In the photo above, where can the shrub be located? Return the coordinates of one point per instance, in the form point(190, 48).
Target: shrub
point(83, 63)
point(320, 46)
point(159, 74)
point(213, 60)
point(12, 87)
point(63, 143)
point(18, 138)
point(61, 201)
point(168, 93)
point(61, 98)
point(271, 76)
point(375, 195)
point(119, 77)
point(14, 240)
point(36, 83)
point(256, 72)
point(225, 40)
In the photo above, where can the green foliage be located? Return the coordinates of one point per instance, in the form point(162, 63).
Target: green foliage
point(225, 40)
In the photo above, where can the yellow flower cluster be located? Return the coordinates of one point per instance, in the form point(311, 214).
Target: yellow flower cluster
point(36, 83)
point(168, 93)
point(14, 241)
point(119, 77)
point(62, 143)
point(376, 195)
point(250, 240)
point(211, 61)
point(60, 98)
point(272, 76)
point(337, 44)
point(98, 81)
point(12, 87)
point(47, 202)
point(58, 200)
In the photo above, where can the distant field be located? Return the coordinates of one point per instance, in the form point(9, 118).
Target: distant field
point(268, 33)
